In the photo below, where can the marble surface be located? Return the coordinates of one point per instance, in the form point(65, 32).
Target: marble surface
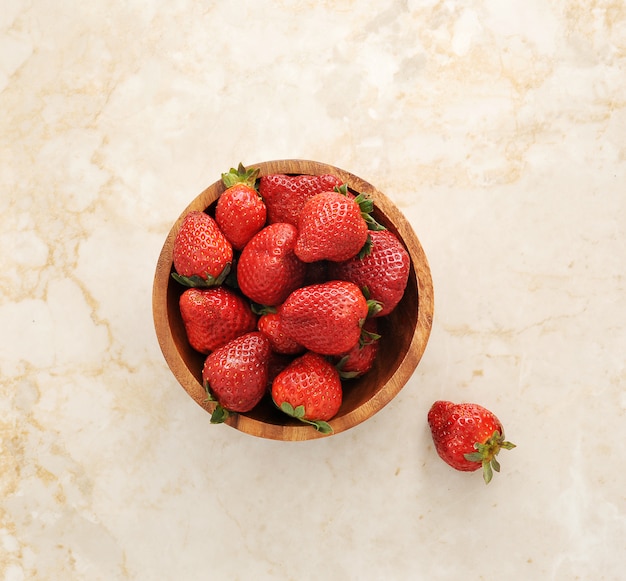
point(499, 129)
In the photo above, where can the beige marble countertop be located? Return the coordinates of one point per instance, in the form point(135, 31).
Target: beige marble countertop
point(499, 129)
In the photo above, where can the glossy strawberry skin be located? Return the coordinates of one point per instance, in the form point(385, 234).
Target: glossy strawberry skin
point(456, 428)
point(214, 316)
point(240, 213)
point(325, 318)
point(384, 271)
point(270, 325)
point(330, 227)
point(310, 381)
point(268, 269)
point(285, 195)
point(236, 374)
point(200, 248)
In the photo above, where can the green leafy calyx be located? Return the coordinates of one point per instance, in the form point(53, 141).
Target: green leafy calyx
point(373, 307)
point(366, 206)
point(486, 454)
point(298, 413)
point(345, 374)
point(366, 250)
point(197, 281)
point(342, 189)
point(220, 414)
point(209, 394)
point(367, 338)
point(241, 175)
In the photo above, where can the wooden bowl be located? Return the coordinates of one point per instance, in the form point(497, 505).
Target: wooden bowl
point(404, 332)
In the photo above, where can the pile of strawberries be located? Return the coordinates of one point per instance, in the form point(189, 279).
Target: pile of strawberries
point(287, 280)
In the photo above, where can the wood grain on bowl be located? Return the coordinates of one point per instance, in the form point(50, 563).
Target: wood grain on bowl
point(405, 331)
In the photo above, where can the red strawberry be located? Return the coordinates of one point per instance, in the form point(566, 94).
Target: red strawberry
point(467, 436)
point(384, 271)
point(285, 195)
point(268, 270)
point(240, 211)
point(333, 226)
point(214, 316)
point(325, 318)
point(271, 326)
point(202, 256)
point(309, 389)
point(235, 375)
point(361, 357)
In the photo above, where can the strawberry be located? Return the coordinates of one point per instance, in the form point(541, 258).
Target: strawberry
point(325, 318)
point(240, 211)
point(270, 325)
point(467, 436)
point(235, 375)
point(214, 316)
point(383, 269)
point(268, 270)
point(285, 195)
point(359, 360)
point(201, 254)
point(309, 389)
point(333, 226)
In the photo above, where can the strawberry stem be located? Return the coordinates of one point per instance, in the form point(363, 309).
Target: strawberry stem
point(241, 175)
point(366, 205)
point(197, 281)
point(373, 307)
point(367, 338)
point(367, 248)
point(220, 413)
point(298, 413)
point(486, 454)
point(209, 393)
point(345, 374)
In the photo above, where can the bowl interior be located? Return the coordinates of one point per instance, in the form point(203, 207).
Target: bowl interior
point(404, 331)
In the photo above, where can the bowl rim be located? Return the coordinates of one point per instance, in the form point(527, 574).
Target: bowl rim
point(405, 369)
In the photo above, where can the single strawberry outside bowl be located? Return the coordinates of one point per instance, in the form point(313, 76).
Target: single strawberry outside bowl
point(404, 331)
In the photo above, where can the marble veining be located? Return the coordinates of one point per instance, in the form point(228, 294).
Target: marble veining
point(498, 127)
